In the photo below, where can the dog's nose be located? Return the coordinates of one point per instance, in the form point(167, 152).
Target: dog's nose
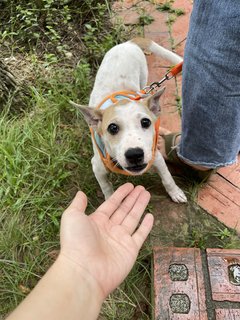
point(134, 155)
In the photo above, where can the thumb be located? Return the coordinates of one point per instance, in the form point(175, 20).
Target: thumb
point(79, 203)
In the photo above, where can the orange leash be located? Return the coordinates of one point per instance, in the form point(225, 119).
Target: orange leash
point(169, 75)
point(175, 70)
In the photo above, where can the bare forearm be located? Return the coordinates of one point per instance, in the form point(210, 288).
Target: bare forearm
point(63, 293)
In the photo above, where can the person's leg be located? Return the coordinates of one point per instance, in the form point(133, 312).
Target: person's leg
point(174, 144)
point(211, 85)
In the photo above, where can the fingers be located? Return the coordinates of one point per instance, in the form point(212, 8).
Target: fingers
point(132, 219)
point(112, 204)
point(143, 231)
point(126, 206)
point(79, 203)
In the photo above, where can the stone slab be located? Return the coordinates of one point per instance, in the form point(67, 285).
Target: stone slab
point(165, 288)
point(219, 261)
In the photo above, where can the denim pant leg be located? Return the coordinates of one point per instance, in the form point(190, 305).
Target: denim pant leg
point(211, 85)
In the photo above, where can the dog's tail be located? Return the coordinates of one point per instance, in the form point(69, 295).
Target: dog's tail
point(147, 45)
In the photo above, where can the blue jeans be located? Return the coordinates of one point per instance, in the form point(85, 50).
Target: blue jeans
point(211, 85)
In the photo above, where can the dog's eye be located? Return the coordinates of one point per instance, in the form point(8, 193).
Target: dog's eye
point(145, 122)
point(113, 128)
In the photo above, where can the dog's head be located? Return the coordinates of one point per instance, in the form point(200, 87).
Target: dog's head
point(127, 130)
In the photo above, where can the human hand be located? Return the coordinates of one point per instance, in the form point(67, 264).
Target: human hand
point(105, 244)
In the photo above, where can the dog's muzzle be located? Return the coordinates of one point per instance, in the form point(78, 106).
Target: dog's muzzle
point(135, 160)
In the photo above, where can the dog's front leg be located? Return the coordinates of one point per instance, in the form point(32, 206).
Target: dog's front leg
point(172, 189)
point(101, 176)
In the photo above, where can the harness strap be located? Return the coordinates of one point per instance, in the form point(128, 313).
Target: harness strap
point(120, 95)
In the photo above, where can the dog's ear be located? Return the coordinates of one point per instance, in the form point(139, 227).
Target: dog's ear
point(153, 102)
point(92, 116)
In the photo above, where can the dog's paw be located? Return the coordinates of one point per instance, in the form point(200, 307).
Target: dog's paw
point(177, 195)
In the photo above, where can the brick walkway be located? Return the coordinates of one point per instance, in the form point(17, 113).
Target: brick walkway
point(221, 196)
point(205, 290)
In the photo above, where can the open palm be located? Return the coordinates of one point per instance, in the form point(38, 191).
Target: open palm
point(106, 243)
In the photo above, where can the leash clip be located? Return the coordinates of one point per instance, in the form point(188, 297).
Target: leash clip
point(151, 87)
point(169, 75)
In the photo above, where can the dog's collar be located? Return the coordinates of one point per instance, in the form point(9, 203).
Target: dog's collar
point(107, 102)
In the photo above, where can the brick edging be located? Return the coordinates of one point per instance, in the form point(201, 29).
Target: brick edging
point(207, 287)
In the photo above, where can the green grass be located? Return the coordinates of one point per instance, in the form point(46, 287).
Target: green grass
point(43, 163)
point(167, 7)
point(45, 153)
point(44, 158)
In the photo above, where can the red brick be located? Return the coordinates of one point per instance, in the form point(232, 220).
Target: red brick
point(221, 199)
point(170, 117)
point(129, 16)
point(124, 4)
point(179, 28)
point(218, 262)
point(231, 314)
point(223, 186)
point(229, 169)
point(164, 287)
point(232, 173)
point(181, 25)
point(183, 4)
point(179, 34)
point(158, 25)
point(130, 11)
point(157, 67)
point(171, 122)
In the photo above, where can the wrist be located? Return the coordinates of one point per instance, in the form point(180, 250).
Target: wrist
point(81, 278)
point(64, 292)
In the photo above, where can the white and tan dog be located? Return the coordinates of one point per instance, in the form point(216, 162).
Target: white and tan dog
point(123, 120)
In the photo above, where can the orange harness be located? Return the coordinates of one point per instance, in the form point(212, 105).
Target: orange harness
point(105, 157)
